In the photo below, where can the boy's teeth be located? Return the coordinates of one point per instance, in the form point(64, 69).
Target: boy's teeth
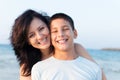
point(61, 41)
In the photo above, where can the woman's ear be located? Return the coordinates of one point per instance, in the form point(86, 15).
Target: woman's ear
point(75, 33)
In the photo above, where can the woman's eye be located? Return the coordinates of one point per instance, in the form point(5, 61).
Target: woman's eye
point(40, 29)
point(31, 35)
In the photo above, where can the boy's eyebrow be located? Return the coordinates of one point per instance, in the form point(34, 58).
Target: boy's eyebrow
point(65, 26)
point(53, 28)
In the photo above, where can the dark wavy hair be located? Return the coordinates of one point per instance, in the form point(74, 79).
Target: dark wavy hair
point(26, 54)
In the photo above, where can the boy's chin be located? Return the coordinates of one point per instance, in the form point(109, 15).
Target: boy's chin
point(63, 48)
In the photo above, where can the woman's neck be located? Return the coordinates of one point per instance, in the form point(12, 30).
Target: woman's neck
point(46, 53)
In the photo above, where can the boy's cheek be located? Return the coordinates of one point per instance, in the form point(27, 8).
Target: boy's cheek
point(52, 37)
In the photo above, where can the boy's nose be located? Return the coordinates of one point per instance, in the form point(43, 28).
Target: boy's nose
point(60, 33)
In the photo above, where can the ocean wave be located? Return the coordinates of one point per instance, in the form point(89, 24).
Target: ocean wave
point(115, 69)
point(8, 62)
point(110, 66)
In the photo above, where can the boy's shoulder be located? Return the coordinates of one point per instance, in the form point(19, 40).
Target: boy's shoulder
point(88, 61)
point(91, 64)
point(42, 63)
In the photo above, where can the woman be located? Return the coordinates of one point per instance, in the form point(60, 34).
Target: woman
point(30, 39)
point(27, 51)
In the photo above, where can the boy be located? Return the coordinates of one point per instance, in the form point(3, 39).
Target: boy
point(65, 64)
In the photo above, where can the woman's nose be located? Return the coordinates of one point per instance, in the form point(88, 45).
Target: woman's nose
point(39, 36)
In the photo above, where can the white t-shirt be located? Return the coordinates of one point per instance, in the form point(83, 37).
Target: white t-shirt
point(55, 69)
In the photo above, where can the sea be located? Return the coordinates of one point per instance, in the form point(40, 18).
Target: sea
point(109, 61)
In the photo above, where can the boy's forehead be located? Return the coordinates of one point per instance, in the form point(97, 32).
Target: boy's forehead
point(59, 21)
point(55, 23)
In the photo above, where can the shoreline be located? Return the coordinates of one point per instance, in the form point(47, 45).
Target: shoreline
point(111, 49)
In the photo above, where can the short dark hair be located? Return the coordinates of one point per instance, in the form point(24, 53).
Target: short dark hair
point(63, 16)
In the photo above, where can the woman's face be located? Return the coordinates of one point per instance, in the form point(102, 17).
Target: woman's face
point(38, 34)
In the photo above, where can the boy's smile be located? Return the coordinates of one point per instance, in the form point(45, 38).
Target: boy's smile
point(62, 41)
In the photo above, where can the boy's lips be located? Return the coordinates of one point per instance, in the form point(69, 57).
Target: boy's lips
point(62, 41)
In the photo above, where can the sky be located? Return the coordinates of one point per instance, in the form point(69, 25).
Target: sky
point(97, 21)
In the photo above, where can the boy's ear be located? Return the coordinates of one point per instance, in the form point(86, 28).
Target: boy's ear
point(75, 33)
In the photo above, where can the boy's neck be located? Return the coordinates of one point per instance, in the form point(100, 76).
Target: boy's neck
point(65, 55)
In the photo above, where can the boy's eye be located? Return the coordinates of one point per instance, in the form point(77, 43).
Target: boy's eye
point(53, 31)
point(66, 29)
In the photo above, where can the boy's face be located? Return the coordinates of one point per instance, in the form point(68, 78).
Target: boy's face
point(62, 34)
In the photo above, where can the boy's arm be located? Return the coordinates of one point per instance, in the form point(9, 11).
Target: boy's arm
point(83, 52)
